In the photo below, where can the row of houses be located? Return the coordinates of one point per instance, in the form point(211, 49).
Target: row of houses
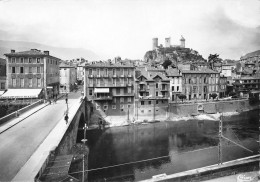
point(35, 74)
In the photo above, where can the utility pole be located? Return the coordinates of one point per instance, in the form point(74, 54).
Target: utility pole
point(220, 140)
point(83, 162)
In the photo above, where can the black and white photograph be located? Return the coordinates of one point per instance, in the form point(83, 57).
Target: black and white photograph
point(129, 90)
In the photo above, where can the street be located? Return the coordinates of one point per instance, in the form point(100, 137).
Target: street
point(20, 141)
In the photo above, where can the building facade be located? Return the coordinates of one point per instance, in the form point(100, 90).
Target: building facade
point(175, 84)
point(2, 74)
point(152, 96)
point(111, 88)
point(68, 78)
point(222, 86)
point(197, 85)
point(33, 69)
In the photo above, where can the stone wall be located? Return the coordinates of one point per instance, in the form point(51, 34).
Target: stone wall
point(70, 137)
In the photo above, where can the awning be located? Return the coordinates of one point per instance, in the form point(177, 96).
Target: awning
point(101, 90)
point(21, 93)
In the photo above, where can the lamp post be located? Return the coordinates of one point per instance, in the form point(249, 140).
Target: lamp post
point(83, 162)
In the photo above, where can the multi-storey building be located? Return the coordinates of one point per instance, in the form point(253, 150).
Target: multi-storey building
point(2, 74)
point(152, 95)
point(67, 78)
point(111, 88)
point(222, 86)
point(248, 83)
point(199, 84)
point(32, 69)
point(175, 83)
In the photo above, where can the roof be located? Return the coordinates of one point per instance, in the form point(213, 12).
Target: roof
point(172, 72)
point(247, 78)
point(199, 71)
point(32, 52)
point(21, 93)
point(152, 75)
point(109, 65)
point(63, 65)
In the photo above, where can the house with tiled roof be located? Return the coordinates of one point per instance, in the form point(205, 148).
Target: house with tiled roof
point(33, 69)
point(152, 95)
point(175, 88)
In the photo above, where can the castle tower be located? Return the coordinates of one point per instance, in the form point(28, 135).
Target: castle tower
point(155, 43)
point(168, 42)
point(182, 40)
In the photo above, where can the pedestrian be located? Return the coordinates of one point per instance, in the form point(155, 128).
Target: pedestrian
point(66, 100)
point(66, 118)
point(50, 101)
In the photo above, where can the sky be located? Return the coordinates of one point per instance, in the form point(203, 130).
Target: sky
point(125, 28)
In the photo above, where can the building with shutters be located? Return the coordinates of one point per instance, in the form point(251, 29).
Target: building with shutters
point(110, 87)
point(33, 69)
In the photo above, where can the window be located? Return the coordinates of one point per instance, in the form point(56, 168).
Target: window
point(13, 60)
point(30, 60)
point(177, 88)
point(13, 69)
point(114, 72)
point(129, 90)
point(106, 72)
point(2, 85)
point(157, 102)
point(172, 88)
point(156, 93)
point(22, 60)
point(90, 71)
point(114, 81)
point(113, 106)
point(142, 111)
point(98, 72)
point(38, 82)
point(30, 69)
point(98, 82)
point(129, 99)
point(142, 102)
point(149, 102)
point(13, 82)
point(21, 82)
point(21, 70)
point(129, 105)
point(121, 106)
point(38, 69)
point(105, 107)
point(156, 85)
point(150, 111)
point(121, 99)
point(38, 60)
point(90, 92)
point(30, 82)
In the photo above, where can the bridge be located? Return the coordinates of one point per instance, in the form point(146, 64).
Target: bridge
point(27, 140)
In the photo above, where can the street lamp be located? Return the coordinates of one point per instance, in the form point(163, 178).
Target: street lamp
point(83, 162)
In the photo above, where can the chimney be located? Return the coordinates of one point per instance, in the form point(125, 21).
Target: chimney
point(12, 51)
point(46, 52)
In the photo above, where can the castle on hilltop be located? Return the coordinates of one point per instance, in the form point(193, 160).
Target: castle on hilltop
point(167, 43)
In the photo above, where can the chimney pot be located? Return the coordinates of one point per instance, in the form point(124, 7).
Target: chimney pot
point(12, 51)
point(46, 52)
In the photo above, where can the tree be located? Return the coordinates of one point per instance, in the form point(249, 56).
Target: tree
point(213, 95)
point(182, 96)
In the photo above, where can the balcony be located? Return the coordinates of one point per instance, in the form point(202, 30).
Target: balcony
point(102, 98)
point(130, 76)
point(114, 76)
point(90, 76)
point(122, 76)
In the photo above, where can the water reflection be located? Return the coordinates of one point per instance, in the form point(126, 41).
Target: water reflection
point(141, 151)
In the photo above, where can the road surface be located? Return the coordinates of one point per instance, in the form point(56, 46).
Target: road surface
point(20, 141)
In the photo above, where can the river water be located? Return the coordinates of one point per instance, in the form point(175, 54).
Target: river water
point(138, 152)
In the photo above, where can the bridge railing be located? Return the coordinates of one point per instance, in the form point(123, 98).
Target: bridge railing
point(20, 111)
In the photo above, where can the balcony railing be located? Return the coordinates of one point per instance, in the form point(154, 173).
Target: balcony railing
point(102, 98)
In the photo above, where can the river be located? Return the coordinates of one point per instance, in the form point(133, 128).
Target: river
point(138, 152)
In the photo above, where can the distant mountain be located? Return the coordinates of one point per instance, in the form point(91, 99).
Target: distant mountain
point(59, 52)
point(255, 53)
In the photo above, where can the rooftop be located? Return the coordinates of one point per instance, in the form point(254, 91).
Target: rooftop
point(32, 52)
point(199, 71)
point(109, 65)
point(172, 72)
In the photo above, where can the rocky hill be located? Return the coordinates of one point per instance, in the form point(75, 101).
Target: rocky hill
point(172, 55)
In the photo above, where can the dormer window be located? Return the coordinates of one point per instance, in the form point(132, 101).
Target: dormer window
point(38, 60)
point(22, 60)
point(13, 60)
point(30, 60)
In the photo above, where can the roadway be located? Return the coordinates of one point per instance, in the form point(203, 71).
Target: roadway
point(19, 142)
